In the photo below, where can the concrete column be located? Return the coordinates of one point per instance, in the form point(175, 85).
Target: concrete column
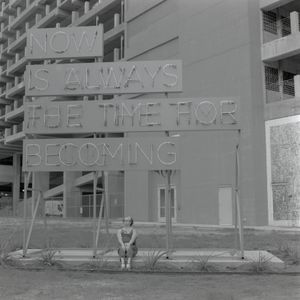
point(86, 6)
point(18, 10)
point(38, 17)
point(116, 20)
point(116, 54)
point(40, 183)
point(10, 19)
point(75, 16)
point(294, 16)
point(47, 9)
point(16, 182)
point(280, 79)
point(297, 85)
point(72, 195)
point(15, 129)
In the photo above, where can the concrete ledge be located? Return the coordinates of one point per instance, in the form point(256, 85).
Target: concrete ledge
point(180, 258)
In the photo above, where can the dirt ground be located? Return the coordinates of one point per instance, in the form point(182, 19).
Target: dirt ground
point(67, 285)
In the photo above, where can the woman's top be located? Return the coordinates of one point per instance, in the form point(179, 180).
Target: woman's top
point(126, 236)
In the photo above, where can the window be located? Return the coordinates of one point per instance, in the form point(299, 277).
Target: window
point(272, 79)
point(269, 22)
point(288, 83)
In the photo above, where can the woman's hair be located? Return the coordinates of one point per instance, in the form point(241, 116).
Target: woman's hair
point(130, 219)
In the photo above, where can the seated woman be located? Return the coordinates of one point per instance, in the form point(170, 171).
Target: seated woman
point(127, 240)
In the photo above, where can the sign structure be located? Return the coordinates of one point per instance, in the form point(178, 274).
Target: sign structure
point(67, 42)
point(46, 117)
point(103, 154)
point(103, 78)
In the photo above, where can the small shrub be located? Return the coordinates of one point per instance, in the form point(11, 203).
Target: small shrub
point(6, 246)
point(260, 265)
point(290, 253)
point(202, 263)
point(48, 257)
point(152, 258)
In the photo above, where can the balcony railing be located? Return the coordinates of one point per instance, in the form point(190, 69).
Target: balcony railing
point(279, 91)
point(277, 29)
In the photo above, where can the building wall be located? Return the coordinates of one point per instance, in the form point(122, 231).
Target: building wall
point(219, 44)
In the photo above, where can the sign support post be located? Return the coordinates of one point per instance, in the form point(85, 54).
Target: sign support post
point(105, 191)
point(237, 198)
point(27, 176)
point(95, 178)
point(168, 214)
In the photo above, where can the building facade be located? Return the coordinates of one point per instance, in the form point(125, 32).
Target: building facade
point(244, 49)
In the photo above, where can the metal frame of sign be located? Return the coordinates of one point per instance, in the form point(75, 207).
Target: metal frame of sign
point(64, 42)
point(68, 117)
point(103, 78)
point(105, 154)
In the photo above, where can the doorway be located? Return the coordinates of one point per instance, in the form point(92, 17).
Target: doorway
point(162, 194)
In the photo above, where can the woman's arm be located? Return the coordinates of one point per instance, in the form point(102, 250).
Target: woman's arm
point(120, 238)
point(133, 237)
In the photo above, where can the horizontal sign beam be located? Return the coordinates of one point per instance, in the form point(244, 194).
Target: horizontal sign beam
point(103, 78)
point(107, 154)
point(46, 117)
point(68, 42)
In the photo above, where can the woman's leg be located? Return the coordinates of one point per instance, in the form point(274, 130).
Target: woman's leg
point(131, 252)
point(122, 254)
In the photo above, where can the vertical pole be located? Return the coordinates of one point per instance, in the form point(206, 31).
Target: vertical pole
point(236, 230)
point(32, 220)
point(99, 222)
point(238, 204)
point(45, 223)
point(106, 212)
point(95, 177)
point(168, 214)
point(26, 178)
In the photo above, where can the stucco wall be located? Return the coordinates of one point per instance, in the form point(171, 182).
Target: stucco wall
point(219, 44)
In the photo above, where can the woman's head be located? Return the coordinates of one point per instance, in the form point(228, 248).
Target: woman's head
point(128, 221)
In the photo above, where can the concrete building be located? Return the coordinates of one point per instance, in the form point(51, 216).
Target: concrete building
point(247, 49)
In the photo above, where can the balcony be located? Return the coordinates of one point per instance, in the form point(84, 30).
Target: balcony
point(18, 66)
point(283, 99)
point(16, 114)
point(3, 75)
point(282, 38)
point(280, 91)
point(99, 9)
point(15, 134)
point(32, 9)
point(17, 89)
point(272, 4)
point(16, 3)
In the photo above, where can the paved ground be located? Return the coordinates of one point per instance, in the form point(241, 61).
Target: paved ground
point(59, 285)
